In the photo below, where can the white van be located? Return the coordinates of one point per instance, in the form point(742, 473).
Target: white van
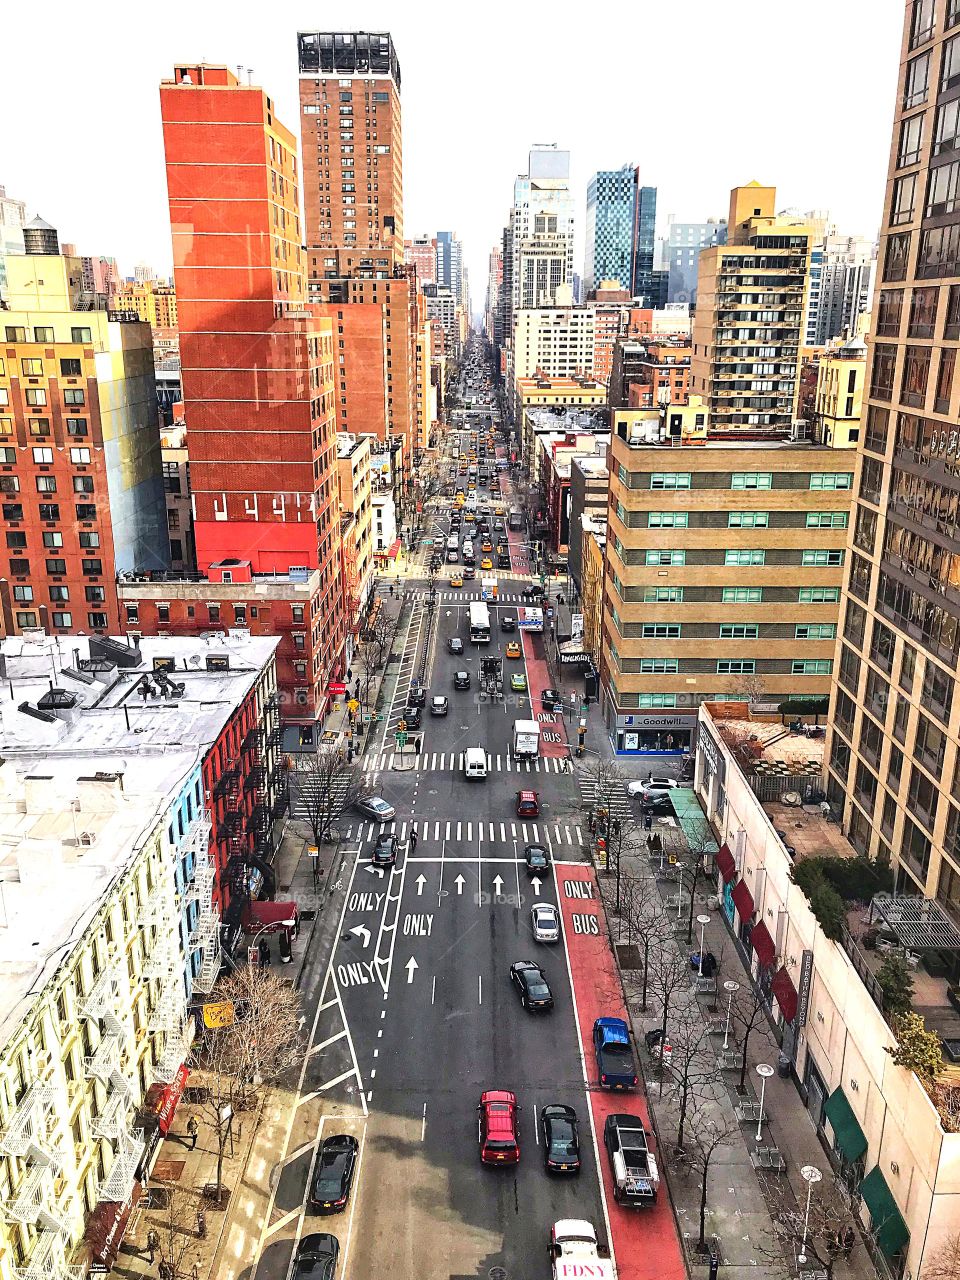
point(475, 762)
point(453, 543)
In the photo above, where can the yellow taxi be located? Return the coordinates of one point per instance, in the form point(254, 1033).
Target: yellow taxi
point(499, 511)
point(456, 580)
point(513, 649)
point(486, 563)
point(470, 517)
point(461, 499)
point(471, 486)
point(486, 545)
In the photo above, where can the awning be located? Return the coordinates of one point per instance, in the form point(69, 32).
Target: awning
point(786, 993)
point(161, 1100)
point(394, 550)
point(886, 1221)
point(106, 1225)
point(743, 900)
point(269, 917)
point(850, 1139)
point(725, 863)
point(763, 945)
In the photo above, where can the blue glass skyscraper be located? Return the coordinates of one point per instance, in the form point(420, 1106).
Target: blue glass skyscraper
point(611, 217)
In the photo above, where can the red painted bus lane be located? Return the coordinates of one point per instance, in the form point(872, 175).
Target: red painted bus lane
point(644, 1241)
point(553, 734)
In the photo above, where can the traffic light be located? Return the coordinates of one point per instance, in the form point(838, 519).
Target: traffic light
point(402, 727)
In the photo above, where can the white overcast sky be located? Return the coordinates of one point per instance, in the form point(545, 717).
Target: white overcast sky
point(702, 95)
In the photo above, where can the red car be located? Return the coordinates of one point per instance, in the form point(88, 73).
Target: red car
point(528, 804)
point(498, 1127)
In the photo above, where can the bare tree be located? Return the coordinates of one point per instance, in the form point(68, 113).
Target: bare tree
point(646, 921)
point(669, 977)
point(692, 1063)
point(259, 1043)
point(945, 1263)
point(711, 1129)
point(699, 843)
point(328, 782)
point(828, 1234)
point(175, 1223)
point(747, 1012)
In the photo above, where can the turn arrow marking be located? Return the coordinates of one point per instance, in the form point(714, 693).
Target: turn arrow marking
point(363, 933)
point(411, 967)
point(459, 882)
point(377, 871)
point(420, 881)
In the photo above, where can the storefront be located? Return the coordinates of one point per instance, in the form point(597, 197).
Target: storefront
point(105, 1230)
point(651, 733)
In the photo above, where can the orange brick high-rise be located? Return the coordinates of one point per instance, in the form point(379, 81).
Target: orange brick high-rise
point(257, 361)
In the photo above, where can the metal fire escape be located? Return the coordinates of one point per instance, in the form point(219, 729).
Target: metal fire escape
point(205, 933)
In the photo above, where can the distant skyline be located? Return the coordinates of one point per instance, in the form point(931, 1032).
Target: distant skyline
point(799, 100)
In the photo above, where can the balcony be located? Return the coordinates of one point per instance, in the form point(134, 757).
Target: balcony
point(35, 1200)
point(105, 1003)
point(113, 1120)
point(106, 1059)
point(27, 1131)
point(197, 836)
point(201, 883)
point(119, 1182)
point(163, 962)
point(174, 1052)
point(157, 909)
point(167, 1013)
point(48, 1260)
point(209, 967)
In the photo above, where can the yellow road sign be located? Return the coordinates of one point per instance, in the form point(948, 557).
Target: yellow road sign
point(218, 1015)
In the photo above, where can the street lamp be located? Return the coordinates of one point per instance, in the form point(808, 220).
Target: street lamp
point(811, 1175)
point(764, 1071)
point(731, 988)
point(702, 921)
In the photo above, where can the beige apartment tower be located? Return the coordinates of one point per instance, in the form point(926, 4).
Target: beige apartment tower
point(748, 328)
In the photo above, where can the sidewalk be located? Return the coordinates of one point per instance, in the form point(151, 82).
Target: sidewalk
point(742, 1202)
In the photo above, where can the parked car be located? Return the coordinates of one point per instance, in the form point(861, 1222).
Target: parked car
point(551, 700)
point(316, 1257)
point(412, 717)
point(377, 808)
point(333, 1173)
point(417, 696)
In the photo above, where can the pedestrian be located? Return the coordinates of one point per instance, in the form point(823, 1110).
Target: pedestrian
point(264, 947)
point(195, 1271)
point(201, 1224)
point(153, 1244)
point(193, 1130)
point(391, 588)
point(416, 745)
point(650, 776)
point(413, 842)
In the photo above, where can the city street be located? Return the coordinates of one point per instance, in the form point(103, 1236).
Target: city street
point(414, 1015)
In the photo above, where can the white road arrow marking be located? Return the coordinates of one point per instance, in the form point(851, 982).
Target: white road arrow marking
point(459, 882)
point(363, 933)
point(498, 885)
point(411, 967)
point(420, 881)
point(377, 871)
point(536, 886)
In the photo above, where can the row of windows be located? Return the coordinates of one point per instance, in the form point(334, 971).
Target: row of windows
point(52, 540)
point(734, 630)
point(46, 484)
point(735, 595)
point(44, 333)
point(737, 519)
point(58, 594)
point(821, 481)
point(741, 557)
point(43, 455)
point(58, 618)
point(40, 427)
point(36, 397)
point(57, 568)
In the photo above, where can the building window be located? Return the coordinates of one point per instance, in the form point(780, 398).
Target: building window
point(877, 426)
point(819, 595)
point(77, 427)
point(897, 256)
point(44, 457)
point(46, 484)
point(739, 631)
point(56, 567)
point(939, 252)
point(908, 151)
point(916, 369)
point(83, 484)
point(52, 540)
point(923, 312)
point(744, 556)
point(831, 480)
point(23, 595)
point(35, 396)
point(921, 22)
point(811, 667)
point(31, 367)
point(239, 615)
point(89, 541)
point(752, 480)
point(903, 204)
point(667, 519)
point(826, 519)
point(73, 396)
point(97, 621)
point(822, 559)
point(888, 315)
point(80, 335)
point(62, 619)
point(659, 666)
point(133, 613)
point(748, 519)
point(950, 65)
point(948, 360)
point(736, 667)
point(26, 619)
point(79, 457)
point(816, 631)
point(213, 610)
point(669, 480)
point(92, 568)
point(94, 595)
point(70, 368)
point(650, 701)
point(742, 595)
point(660, 631)
point(658, 557)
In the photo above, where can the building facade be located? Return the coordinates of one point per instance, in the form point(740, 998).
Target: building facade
point(893, 759)
point(610, 228)
point(421, 252)
point(80, 476)
point(723, 572)
point(356, 529)
point(841, 287)
point(684, 242)
point(749, 322)
point(541, 231)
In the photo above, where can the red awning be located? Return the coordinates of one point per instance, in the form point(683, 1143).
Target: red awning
point(786, 993)
point(763, 945)
point(743, 900)
point(270, 917)
point(394, 550)
point(106, 1225)
point(725, 863)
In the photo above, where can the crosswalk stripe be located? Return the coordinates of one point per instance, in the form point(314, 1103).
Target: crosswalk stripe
point(469, 832)
point(503, 833)
point(523, 828)
point(458, 832)
point(447, 836)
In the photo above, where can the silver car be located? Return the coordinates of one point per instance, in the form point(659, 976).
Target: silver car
point(377, 808)
point(545, 922)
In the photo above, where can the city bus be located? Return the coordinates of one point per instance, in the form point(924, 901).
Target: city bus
point(479, 623)
point(530, 619)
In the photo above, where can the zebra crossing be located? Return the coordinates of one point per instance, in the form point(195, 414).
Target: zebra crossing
point(461, 597)
point(453, 832)
point(452, 761)
point(614, 796)
point(305, 790)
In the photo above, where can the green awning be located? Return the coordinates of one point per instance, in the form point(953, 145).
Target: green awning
point(850, 1139)
point(886, 1221)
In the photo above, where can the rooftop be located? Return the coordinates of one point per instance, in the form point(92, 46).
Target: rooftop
point(95, 743)
point(568, 418)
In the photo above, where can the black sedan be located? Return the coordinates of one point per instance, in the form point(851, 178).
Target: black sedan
point(333, 1173)
point(412, 717)
point(317, 1257)
point(385, 850)
point(455, 645)
point(416, 696)
point(561, 1138)
point(532, 985)
point(537, 859)
point(461, 680)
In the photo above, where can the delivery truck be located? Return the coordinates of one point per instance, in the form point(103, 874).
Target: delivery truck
point(526, 739)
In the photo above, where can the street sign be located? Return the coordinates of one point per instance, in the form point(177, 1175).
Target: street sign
point(401, 739)
point(219, 1014)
